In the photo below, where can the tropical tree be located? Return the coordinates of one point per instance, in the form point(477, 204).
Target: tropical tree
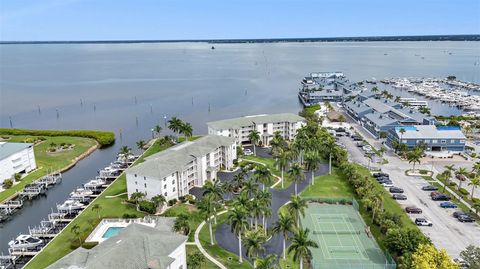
point(471, 255)
point(296, 207)
point(186, 129)
point(182, 224)
point(462, 174)
point(254, 137)
point(254, 241)
point(216, 189)
point(250, 187)
point(97, 207)
point(284, 225)
point(475, 182)
point(175, 124)
point(263, 174)
point(375, 89)
point(296, 174)
point(402, 131)
point(269, 262)
point(265, 199)
point(277, 143)
point(428, 257)
point(125, 151)
point(447, 174)
point(195, 260)
point(414, 157)
point(141, 145)
point(397, 98)
point(237, 219)
point(301, 245)
point(312, 161)
point(76, 230)
point(137, 196)
point(157, 129)
point(159, 200)
point(281, 162)
point(239, 179)
point(207, 209)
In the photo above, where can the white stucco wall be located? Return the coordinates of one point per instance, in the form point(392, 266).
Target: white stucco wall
point(180, 256)
point(23, 160)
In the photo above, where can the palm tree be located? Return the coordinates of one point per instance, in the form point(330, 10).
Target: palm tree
point(255, 210)
point(254, 243)
point(207, 208)
point(239, 179)
point(250, 187)
point(254, 137)
point(175, 124)
point(375, 89)
point(284, 225)
point(186, 129)
point(265, 199)
point(216, 189)
point(397, 98)
point(277, 143)
point(281, 162)
point(97, 207)
point(296, 207)
point(125, 151)
point(237, 219)
point(301, 245)
point(474, 182)
point(137, 196)
point(268, 262)
point(461, 173)
point(402, 131)
point(312, 160)
point(157, 129)
point(76, 230)
point(414, 157)
point(141, 145)
point(159, 200)
point(182, 224)
point(296, 174)
point(263, 175)
point(447, 174)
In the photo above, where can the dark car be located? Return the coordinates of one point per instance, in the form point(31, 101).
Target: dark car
point(441, 197)
point(413, 210)
point(465, 218)
point(399, 197)
point(395, 190)
point(357, 138)
point(457, 214)
point(387, 181)
point(382, 178)
point(380, 174)
point(429, 188)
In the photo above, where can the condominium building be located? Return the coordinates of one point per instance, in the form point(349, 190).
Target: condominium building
point(173, 172)
point(287, 124)
point(16, 158)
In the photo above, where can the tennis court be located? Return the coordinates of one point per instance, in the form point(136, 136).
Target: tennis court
point(342, 239)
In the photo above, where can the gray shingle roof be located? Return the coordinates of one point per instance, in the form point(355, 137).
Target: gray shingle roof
point(175, 158)
point(380, 119)
point(250, 120)
point(135, 246)
point(428, 132)
point(357, 106)
point(378, 105)
point(9, 148)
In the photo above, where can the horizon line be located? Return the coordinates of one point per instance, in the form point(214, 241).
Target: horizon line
point(444, 37)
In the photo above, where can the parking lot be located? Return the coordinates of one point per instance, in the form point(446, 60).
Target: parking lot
point(447, 232)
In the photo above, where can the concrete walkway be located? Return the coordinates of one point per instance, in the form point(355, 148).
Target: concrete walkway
point(200, 247)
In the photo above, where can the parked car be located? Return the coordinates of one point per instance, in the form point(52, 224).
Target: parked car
point(413, 210)
point(357, 138)
point(247, 152)
point(441, 197)
point(465, 218)
point(435, 193)
point(457, 214)
point(387, 184)
point(423, 222)
point(448, 205)
point(382, 178)
point(429, 188)
point(360, 144)
point(399, 197)
point(367, 148)
point(395, 190)
point(380, 174)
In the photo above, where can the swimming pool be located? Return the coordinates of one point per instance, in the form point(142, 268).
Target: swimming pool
point(111, 231)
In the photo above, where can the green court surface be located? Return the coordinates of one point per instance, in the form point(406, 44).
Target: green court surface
point(342, 239)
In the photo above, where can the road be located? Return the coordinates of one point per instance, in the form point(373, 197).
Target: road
point(447, 232)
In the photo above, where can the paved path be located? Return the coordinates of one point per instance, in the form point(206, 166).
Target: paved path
point(200, 247)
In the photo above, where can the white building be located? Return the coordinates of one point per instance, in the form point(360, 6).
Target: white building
point(173, 172)
point(137, 245)
point(239, 128)
point(16, 158)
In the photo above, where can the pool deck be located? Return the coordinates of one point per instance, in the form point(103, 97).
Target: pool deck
point(105, 224)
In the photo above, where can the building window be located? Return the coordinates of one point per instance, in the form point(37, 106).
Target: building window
point(173, 189)
point(135, 175)
point(144, 178)
point(444, 141)
point(434, 141)
point(165, 186)
point(419, 141)
point(165, 194)
point(462, 141)
point(173, 181)
point(145, 185)
point(135, 183)
point(136, 190)
point(452, 141)
point(164, 179)
point(427, 141)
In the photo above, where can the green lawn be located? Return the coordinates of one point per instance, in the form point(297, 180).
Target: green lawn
point(49, 162)
point(270, 163)
point(207, 264)
point(88, 219)
point(329, 186)
point(191, 211)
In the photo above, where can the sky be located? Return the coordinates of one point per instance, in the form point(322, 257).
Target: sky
point(57, 20)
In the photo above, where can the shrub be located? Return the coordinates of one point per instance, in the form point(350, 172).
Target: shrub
point(423, 172)
point(18, 176)
point(172, 202)
point(464, 191)
point(5, 137)
point(7, 184)
point(452, 184)
point(476, 200)
point(182, 199)
point(102, 137)
point(147, 206)
point(89, 245)
point(129, 216)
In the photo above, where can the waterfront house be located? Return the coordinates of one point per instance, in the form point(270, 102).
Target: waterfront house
point(176, 170)
point(434, 138)
point(16, 158)
point(136, 245)
point(240, 128)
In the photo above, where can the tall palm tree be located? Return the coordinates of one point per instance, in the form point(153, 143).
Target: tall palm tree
point(268, 262)
point(125, 151)
point(207, 208)
point(284, 225)
point(237, 219)
point(301, 245)
point(312, 161)
point(216, 189)
point(397, 98)
point(97, 207)
point(157, 129)
point(76, 230)
point(474, 182)
point(141, 145)
point(265, 199)
point(175, 124)
point(159, 200)
point(296, 174)
point(402, 131)
point(182, 224)
point(137, 196)
point(281, 162)
point(263, 174)
point(296, 207)
point(186, 129)
point(277, 143)
point(254, 243)
point(250, 187)
point(256, 210)
point(451, 171)
point(414, 157)
point(254, 137)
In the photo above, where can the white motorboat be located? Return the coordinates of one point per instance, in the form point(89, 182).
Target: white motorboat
point(94, 183)
point(81, 193)
point(109, 172)
point(70, 205)
point(25, 241)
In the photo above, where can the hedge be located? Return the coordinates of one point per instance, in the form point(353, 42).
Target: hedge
point(464, 191)
point(102, 137)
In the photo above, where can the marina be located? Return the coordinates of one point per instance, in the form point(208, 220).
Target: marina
point(25, 246)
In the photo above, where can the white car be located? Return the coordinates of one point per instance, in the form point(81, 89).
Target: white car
point(423, 222)
point(367, 148)
point(247, 152)
point(388, 185)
